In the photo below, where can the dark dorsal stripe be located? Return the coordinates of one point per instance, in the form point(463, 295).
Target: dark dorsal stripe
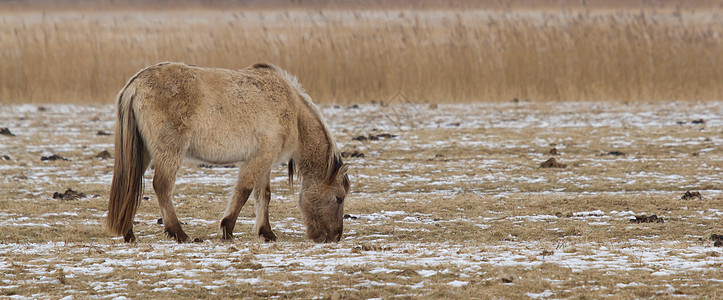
point(262, 66)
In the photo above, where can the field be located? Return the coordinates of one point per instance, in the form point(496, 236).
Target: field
point(497, 149)
point(453, 205)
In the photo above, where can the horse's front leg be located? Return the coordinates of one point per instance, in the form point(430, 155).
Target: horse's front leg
point(251, 172)
point(262, 228)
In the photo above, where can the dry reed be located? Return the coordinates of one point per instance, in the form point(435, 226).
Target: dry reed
point(357, 56)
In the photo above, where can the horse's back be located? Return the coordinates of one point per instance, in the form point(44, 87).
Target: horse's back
point(179, 88)
point(220, 115)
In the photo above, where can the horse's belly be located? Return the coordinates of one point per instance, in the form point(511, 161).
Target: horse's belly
point(224, 133)
point(225, 150)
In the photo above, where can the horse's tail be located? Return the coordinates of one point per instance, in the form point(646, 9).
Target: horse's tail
point(126, 188)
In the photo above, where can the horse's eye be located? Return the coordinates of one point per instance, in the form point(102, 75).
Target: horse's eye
point(339, 200)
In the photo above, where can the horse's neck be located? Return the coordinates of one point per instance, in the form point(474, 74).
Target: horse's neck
point(314, 149)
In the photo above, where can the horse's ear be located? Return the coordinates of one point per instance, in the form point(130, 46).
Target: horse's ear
point(342, 170)
point(345, 178)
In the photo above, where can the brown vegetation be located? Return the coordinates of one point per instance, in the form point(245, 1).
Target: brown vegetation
point(447, 55)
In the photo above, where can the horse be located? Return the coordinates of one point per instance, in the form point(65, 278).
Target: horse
point(259, 116)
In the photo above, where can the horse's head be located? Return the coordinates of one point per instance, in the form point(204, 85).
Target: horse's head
point(322, 204)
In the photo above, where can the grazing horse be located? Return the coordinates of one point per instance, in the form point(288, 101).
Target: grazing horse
point(258, 115)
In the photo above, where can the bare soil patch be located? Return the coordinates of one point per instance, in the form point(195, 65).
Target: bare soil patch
point(69, 194)
point(103, 155)
point(53, 157)
point(5, 131)
point(691, 195)
point(552, 163)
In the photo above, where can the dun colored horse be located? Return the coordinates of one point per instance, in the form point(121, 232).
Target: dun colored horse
point(258, 115)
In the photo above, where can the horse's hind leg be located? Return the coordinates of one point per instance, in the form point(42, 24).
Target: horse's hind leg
point(163, 180)
point(252, 171)
point(262, 193)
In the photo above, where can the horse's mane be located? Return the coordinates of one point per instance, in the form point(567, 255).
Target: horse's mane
point(335, 162)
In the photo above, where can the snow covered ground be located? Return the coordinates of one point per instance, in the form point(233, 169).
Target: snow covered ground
point(454, 205)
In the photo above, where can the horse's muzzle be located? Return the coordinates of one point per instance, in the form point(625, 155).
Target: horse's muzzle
point(330, 238)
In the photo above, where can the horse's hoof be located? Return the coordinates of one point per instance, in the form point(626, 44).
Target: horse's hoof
point(129, 237)
point(182, 240)
point(226, 229)
point(227, 236)
point(180, 237)
point(267, 237)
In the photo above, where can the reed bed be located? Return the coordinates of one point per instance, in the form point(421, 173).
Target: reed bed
point(350, 56)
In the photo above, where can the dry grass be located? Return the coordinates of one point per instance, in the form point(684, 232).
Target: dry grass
point(347, 56)
point(572, 5)
point(455, 206)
